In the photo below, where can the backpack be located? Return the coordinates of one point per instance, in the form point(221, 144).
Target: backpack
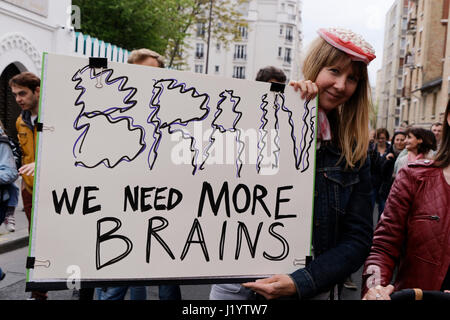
point(15, 148)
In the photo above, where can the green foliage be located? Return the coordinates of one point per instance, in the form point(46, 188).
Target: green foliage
point(160, 25)
point(226, 18)
point(129, 24)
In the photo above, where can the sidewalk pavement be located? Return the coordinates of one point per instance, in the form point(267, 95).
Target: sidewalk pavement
point(14, 240)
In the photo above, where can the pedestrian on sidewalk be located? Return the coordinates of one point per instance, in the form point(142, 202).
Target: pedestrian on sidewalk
point(335, 69)
point(413, 232)
point(26, 89)
point(9, 192)
point(8, 174)
point(419, 144)
point(378, 155)
point(387, 166)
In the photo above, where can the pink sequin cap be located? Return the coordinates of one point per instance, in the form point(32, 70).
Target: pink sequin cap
point(351, 43)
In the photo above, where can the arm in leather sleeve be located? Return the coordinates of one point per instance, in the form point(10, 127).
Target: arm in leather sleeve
point(390, 232)
point(356, 229)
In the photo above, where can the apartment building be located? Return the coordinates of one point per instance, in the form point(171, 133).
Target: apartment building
point(423, 98)
point(273, 37)
point(391, 76)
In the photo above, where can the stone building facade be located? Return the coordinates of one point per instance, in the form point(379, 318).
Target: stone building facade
point(423, 96)
point(273, 37)
point(422, 83)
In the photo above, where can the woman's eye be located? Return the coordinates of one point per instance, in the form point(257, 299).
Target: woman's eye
point(333, 70)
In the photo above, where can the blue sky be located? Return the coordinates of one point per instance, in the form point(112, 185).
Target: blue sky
point(366, 17)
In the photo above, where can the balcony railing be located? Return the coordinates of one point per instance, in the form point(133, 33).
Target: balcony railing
point(240, 57)
point(412, 26)
point(409, 61)
point(199, 55)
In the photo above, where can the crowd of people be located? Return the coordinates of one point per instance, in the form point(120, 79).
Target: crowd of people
point(406, 177)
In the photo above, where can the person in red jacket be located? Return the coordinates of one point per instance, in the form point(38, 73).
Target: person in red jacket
point(414, 230)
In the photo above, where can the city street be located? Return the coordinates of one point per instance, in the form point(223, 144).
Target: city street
point(13, 286)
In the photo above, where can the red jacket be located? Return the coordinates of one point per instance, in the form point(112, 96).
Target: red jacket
point(413, 230)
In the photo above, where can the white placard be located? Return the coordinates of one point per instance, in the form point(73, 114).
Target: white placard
point(148, 174)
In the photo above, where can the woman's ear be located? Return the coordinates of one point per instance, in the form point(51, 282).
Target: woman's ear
point(419, 141)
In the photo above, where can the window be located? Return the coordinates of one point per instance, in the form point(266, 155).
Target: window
point(289, 32)
point(420, 43)
point(433, 110)
point(199, 51)
point(217, 69)
point(287, 55)
point(198, 68)
point(201, 30)
point(281, 30)
point(280, 52)
point(239, 72)
point(290, 9)
point(240, 51)
point(218, 46)
point(243, 32)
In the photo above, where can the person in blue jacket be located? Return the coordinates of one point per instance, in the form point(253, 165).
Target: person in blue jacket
point(335, 69)
point(8, 174)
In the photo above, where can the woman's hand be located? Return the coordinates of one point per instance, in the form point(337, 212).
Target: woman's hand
point(390, 156)
point(309, 89)
point(277, 286)
point(379, 293)
point(27, 169)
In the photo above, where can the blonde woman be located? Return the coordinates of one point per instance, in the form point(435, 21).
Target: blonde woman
point(335, 69)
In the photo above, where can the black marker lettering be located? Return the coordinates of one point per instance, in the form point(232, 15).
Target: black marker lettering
point(247, 198)
point(58, 203)
point(153, 232)
point(179, 197)
point(243, 228)
point(157, 197)
point(196, 227)
point(277, 206)
point(86, 208)
point(145, 195)
point(133, 199)
point(207, 188)
point(108, 236)
point(285, 251)
point(259, 198)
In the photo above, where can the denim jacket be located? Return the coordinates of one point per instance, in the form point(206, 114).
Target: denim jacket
point(342, 223)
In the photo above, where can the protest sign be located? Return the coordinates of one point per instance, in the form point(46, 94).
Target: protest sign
point(153, 175)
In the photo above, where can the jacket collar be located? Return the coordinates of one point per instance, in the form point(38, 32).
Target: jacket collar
point(26, 117)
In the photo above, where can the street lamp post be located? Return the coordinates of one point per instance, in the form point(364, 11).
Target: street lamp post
point(209, 35)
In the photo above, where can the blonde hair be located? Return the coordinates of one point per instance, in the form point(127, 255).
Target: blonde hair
point(139, 55)
point(350, 122)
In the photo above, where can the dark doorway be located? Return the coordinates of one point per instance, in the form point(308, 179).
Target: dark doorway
point(9, 110)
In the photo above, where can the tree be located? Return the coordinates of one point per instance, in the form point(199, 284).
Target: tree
point(159, 25)
point(130, 24)
point(226, 17)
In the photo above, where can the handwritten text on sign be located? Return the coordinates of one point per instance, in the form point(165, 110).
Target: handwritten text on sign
point(161, 174)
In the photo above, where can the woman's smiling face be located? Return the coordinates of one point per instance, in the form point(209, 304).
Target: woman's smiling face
point(412, 143)
point(336, 85)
